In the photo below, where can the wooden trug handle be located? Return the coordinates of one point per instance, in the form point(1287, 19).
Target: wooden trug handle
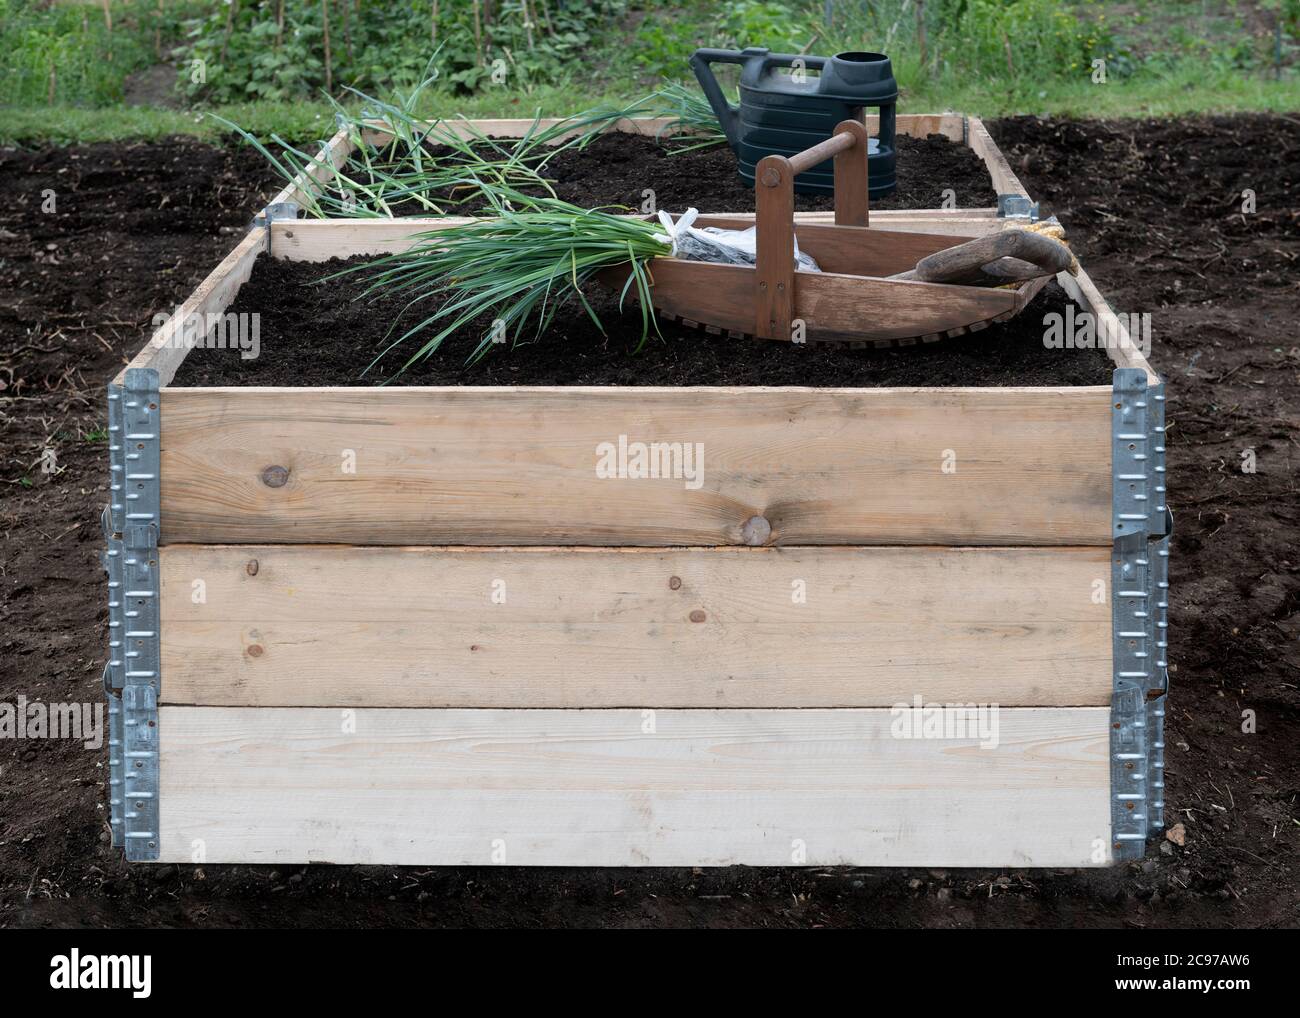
point(822, 151)
point(774, 218)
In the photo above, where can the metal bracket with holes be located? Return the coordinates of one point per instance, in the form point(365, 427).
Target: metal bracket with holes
point(132, 675)
point(1141, 524)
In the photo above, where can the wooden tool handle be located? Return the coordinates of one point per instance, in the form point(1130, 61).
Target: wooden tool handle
point(774, 217)
point(975, 263)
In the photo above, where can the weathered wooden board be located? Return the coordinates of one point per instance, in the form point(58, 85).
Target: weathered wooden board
point(329, 626)
point(330, 158)
point(917, 125)
point(629, 787)
point(491, 466)
point(1119, 345)
point(982, 144)
point(169, 344)
point(317, 240)
point(517, 127)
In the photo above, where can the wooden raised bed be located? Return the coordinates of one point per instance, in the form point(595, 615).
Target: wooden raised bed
point(474, 650)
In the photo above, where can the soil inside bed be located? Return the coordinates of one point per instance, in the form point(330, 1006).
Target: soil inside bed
point(326, 333)
point(617, 168)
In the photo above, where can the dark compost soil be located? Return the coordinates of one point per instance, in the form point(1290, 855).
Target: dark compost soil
point(618, 168)
point(1154, 209)
point(319, 331)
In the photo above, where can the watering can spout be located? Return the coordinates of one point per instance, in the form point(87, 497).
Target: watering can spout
point(728, 115)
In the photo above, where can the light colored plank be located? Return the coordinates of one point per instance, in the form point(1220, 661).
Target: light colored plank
point(517, 127)
point(168, 346)
point(311, 240)
point(1120, 347)
point(734, 627)
point(306, 185)
point(501, 465)
point(594, 788)
point(983, 145)
point(917, 125)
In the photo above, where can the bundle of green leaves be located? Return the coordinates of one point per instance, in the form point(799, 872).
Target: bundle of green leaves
point(533, 256)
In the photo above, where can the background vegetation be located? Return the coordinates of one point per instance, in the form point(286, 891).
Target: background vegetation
point(67, 67)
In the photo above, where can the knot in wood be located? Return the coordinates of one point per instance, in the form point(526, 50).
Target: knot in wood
point(756, 531)
point(275, 476)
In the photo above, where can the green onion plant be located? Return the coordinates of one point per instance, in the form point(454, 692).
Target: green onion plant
point(391, 163)
point(533, 256)
point(693, 122)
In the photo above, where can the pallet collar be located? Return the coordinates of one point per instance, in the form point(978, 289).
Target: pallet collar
point(132, 680)
point(1142, 525)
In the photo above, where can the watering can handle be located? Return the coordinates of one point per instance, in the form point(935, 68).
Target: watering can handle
point(728, 115)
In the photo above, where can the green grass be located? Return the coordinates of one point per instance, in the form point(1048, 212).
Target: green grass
point(301, 121)
point(1166, 58)
point(65, 125)
point(1186, 89)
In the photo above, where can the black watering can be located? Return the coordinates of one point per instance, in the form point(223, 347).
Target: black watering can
point(784, 114)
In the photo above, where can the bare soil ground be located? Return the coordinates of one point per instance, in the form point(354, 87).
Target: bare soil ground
point(1155, 211)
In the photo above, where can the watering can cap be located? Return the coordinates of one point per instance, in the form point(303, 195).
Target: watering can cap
point(858, 67)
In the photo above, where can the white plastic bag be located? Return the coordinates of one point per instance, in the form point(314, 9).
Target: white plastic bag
point(711, 244)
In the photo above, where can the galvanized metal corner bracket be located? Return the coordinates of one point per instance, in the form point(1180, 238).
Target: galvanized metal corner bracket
point(1141, 526)
point(277, 211)
point(1017, 206)
point(132, 675)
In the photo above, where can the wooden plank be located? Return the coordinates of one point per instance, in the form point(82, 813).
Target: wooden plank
point(921, 125)
point(170, 343)
point(305, 185)
point(629, 788)
point(517, 127)
point(501, 465)
point(328, 626)
point(982, 143)
point(916, 125)
point(1119, 347)
point(320, 240)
